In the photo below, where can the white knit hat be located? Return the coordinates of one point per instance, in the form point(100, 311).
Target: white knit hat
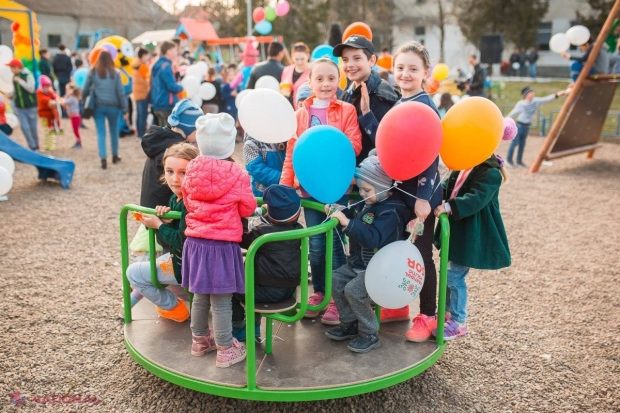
point(216, 135)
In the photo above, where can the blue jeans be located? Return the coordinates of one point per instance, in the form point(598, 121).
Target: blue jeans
point(28, 122)
point(317, 246)
point(532, 69)
point(139, 276)
point(518, 141)
point(456, 294)
point(112, 114)
point(142, 110)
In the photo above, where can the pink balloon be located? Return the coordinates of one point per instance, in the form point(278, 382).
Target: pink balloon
point(282, 8)
point(110, 48)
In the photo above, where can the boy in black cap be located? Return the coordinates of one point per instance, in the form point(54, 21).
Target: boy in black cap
point(371, 95)
point(277, 265)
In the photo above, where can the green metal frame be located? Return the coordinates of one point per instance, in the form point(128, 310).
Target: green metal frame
point(251, 391)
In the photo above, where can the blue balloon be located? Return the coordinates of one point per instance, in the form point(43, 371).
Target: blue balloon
point(323, 50)
point(324, 163)
point(263, 27)
point(79, 77)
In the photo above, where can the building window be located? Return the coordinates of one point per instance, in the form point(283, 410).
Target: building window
point(420, 31)
point(84, 42)
point(53, 40)
point(544, 35)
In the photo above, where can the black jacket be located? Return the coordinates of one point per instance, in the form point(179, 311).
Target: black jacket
point(269, 68)
point(62, 66)
point(276, 264)
point(532, 57)
point(476, 85)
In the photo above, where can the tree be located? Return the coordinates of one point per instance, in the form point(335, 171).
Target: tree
point(594, 21)
point(380, 15)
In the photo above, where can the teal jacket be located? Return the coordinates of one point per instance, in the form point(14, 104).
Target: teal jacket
point(477, 235)
point(173, 234)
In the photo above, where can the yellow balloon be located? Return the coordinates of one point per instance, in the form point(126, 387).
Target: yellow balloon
point(441, 71)
point(472, 131)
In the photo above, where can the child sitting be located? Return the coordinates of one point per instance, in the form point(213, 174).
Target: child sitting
point(369, 226)
point(48, 112)
point(277, 271)
point(263, 162)
point(72, 106)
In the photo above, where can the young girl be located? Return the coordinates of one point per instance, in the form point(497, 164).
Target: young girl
point(168, 265)
point(445, 104)
point(477, 235)
point(48, 112)
point(411, 66)
point(230, 89)
point(322, 108)
point(217, 195)
point(72, 106)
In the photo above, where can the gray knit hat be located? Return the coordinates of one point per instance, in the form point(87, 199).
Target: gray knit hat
point(370, 170)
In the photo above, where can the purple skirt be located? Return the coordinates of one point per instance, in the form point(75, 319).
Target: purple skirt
point(212, 267)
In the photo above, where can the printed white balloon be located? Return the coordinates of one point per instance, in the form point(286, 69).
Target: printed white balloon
point(191, 85)
point(240, 96)
point(6, 181)
point(437, 99)
point(559, 43)
point(268, 82)
point(207, 91)
point(7, 162)
point(578, 35)
point(267, 116)
point(12, 120)
point(6, 54)
point(204, 66)
point(195, 71)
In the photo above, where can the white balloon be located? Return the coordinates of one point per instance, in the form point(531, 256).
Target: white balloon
point(240, 96)
point(6, 181)
point(207, 91)
point(7, 87)
point(204, 66)
point(559, 43)
point(7, 162)
point(267, 116)
point(578, 35)
point(6, 74)
point(197, 100)
point(464, 97)
point(455, 98)
point(268, 82)
point(194, 70)
point(516, 65)
point(12, 120)
point(437, 99)
point(395, 275)
point(6, 54)
point(191, 85)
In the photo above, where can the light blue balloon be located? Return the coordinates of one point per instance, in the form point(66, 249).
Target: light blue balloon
point(324, 163)
point(263, 27)
point(79, 77)
point(323, 50)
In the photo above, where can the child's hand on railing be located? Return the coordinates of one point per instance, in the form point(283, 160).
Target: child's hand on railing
point(162, 210)
point(151, 221)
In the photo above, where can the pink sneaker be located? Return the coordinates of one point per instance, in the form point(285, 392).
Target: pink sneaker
point(201, 345)
point(315, 299)
point(227, 356)
point(422, 328)
point(331, 316)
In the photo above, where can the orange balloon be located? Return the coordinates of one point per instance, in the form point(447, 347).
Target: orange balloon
point(343, 79)
point(432, 85)
point(94, 55)
point(358, 28)
point(472, 131)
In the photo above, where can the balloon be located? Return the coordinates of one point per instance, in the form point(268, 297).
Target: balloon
point(6, 181)
point(268, 82)
point(7, 87)
point(197, 100)
point(204, 67)
point(343, 79)
point(395, 275)
point(6, 54)
point(190, 85)
point(12, 120)
point(441, 71)
point(110, 48)
point(240, 97)
point(263, 27)
point(194, 70)
point(456, 98)
point(323, 50)
point(510, 129)
point(358, 28)
point(6, 161)
point(329, 179)
point(408, 140)
point(267, 116)
point(465, 97)
point(206, 91)
point(437, 99)
point(270, 14)
point(516, 65)
point(472, 131)
point(559, 43)
point(283, 8)
point(578, 35)
point(79, 77)
point(432, 86)
point(94, 55)
point(258, 14)
point(6, 75)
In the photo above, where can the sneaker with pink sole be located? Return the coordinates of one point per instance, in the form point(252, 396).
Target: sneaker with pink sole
point(202, 345)
point(331, 316)
point(422, 328)
point(314, 299)
point(227, 356)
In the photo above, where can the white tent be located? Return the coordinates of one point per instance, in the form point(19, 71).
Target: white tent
point(154, 36)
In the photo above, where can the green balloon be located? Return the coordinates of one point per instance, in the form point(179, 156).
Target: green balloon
point(270, 14)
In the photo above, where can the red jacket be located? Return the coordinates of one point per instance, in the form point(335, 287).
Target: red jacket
point(217, 194)
point(44, 110)
point(341, 115)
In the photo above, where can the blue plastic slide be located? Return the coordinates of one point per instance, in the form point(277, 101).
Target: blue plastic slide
point(48, 166)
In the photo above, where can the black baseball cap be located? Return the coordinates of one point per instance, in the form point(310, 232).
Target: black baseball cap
point(355, 41)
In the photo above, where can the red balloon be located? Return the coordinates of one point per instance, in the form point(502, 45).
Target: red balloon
point(432, 85)
point(258, 15)
point(358, 28)
point(408, 140)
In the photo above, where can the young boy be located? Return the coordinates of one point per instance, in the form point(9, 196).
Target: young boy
point(140, 89)
point(369, 226)
point(277, 266)
point(48, 112)
point(371, 95)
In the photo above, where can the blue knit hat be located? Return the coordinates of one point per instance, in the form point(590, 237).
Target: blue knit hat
point(184, 116)
point(303, 92)
point(284, 205)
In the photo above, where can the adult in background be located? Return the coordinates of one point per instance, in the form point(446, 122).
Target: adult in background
point(296, 74)
point(532, 58)
point(110, 102)
point(514, 58)
point(271, 67)
point(522, 62)
point(25, 102)
point(62, 69)
point(164, 88)
point(45, 66)
point(140, 89)
point(475, 87)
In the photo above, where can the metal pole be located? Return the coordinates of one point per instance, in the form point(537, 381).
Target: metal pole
point(249, 2)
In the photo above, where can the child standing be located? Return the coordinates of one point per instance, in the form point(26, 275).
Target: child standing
point(371, 225)
point(230, 89)
point(217, 195)
point(48, 112)
point(72, 106)
point(322, 108)
point(445, 104)
point(477, 235)
point(141, 76)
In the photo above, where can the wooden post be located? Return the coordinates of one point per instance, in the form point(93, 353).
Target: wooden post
point(568, 105)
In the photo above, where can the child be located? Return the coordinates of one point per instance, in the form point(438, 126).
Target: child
point(370, 226)
point(263, 162)
point(477, 234)
point(217, 195)
point(526, 109)
point(445, 104)
point(48, 112)
point(140, 89)
point(168, 265)
point(411, 67)
point(213, 105)
point(277, 266)
point(322, 108)
point(372, 96)
point(230, 89)
point(72, 106)
point(4, 127)
point(303, 93)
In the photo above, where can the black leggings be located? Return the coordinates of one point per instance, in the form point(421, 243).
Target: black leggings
point(428, 295)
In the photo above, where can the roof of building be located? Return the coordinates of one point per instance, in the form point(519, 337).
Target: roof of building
point(196, 29)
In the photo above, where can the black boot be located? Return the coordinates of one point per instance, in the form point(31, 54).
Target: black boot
point(364, 343)
point(104, 163)
point(115, 159)
point(344, 331)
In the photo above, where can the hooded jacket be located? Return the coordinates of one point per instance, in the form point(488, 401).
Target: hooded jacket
point(263, 162)
point(164, 88)
point(217, 195)
point(141, 79)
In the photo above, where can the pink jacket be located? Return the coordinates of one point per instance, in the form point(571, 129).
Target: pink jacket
point(217, 194)
point(287, 78)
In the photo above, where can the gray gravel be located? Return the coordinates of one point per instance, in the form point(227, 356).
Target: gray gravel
point(544, 333)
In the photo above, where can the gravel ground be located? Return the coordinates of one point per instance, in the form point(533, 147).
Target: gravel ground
point(544, 333)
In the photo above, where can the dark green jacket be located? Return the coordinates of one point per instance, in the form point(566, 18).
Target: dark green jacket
point(477, 235)
point(45, 67)
point(173, 234)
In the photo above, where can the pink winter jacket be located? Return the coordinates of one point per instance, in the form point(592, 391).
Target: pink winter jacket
point(217, 194)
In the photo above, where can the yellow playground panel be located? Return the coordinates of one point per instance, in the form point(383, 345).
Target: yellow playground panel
point(25, 31)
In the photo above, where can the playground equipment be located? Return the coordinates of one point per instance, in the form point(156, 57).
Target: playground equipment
point(25, 32)
point(298, 362)
point(85, 41)
point(579, 124)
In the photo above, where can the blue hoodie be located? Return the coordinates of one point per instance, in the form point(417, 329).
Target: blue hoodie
point(164, 89)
